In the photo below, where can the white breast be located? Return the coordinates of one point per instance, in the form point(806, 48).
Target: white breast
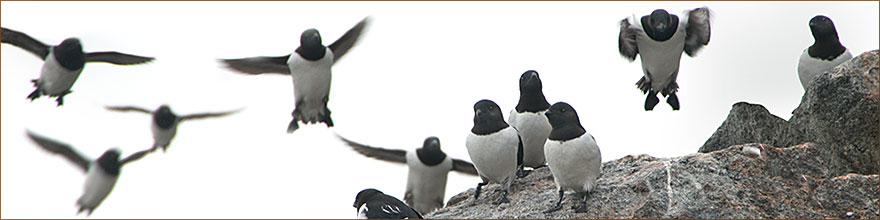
point(311, 83)
point(534, 129)
point(54, 78)
point(661, 59)
point(162, 137)
point(809, 67)
point(575, 164)
point(494, 155)
point(427, 184)
point(98, 186)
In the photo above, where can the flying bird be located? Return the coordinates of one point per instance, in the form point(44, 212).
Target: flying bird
point(164, 125)
point(660, 39)
point(572, 155)
point(373, 204)
point(62, 63)
point(428, 169)
point(825, 53)
point(101, 174)
point(310, 66)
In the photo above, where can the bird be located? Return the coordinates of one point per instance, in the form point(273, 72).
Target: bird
point(428, 170)
point(63, 63)
point(373, 204)
point(660, 39)
point(529, 120)
point(572, 155)
point(825, 53)
point(101, 174)
point(164, 125)
point(310, 66)
point(495, 148)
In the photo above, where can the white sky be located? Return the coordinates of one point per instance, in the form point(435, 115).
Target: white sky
point(416, 72)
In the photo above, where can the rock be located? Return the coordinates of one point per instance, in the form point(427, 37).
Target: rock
point(752, 123)
point(840, 111)
point(729, 183)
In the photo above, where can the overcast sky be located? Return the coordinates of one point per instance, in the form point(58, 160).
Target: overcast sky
point(416, 72)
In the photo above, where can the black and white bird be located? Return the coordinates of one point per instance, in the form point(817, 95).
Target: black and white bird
point(310, 66)
point(825, 53)
point(494, 147)
point(428, 170)
point(660, 39)
point(164, 125)
point(572, 155)
point(62, 63)
point(101, 174)
point(528, 118)
point(373, 204)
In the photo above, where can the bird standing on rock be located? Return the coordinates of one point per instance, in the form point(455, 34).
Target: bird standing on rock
point(494, 147)
point(572, 155)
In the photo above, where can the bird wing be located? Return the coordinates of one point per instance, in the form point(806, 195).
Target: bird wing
point(116, 58)
point(259, 65)
point(25, 42)
point(464, 167)
point(135, 156)
point(697, 29)
point(207, 115)
point(127, 109)
point(60, 148)
point(627, 40)
point(397, 156)
point(344, 43)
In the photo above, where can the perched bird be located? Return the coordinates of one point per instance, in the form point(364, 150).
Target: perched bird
point(660, 38)
point(101, 174)
point(62, 63)
point(428, 169)
point(528, 118)
point(373, 204)
point(572, 155)
point(310, 66)
point(165, 122)
point(494, 147)
point(824, 54)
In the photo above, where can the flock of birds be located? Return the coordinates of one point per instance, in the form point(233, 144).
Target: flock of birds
point(536, 134)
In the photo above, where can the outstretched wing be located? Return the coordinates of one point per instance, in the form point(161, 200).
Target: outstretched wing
point(24, 41)
point(61, 148)
point(259, 65)
point(207, 115)
point(135, 156)
point(344, 43)
point(127, 109)
point(627, 40)
point(698, 30)
point(397, 156)
point(116, 58)
point(464, 167)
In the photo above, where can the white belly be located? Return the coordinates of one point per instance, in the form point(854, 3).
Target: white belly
point(426, 184)
point(660, 60)
point(54, 79)
point(311, 84)
point(534, 128)
point(575, 164)
point(494, 155)
point(98, 186)
point(809, 68)
point(162, 137)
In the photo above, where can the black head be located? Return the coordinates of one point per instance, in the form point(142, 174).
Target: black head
point(164, 117)
point(430, 153)
point(660, 25)
point(822, 28)
point(564, 121)
point(109, 162)
point(310, 46)
point(827, 45)
point(70, 54)
point(531, 96)
point(365, 195)
point(487, 118)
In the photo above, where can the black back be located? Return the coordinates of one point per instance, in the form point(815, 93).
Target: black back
point(827, 45)
point(109, 162)
point(70, 54)
point(488, 118)
point(430, 153)
point(531, 94)
point(310, 46)
point(660, 25)
point(565, 122)
point(164, 117)
point(382, 206)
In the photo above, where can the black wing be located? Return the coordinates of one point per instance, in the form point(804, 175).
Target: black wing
point(698, 30)
point(259, 65)
point(135, 156)
point(60, 148)
point(25, 42)
point(127, 109)
point(388, 207)
point(627, 40)
point(397, 156)
point(116, 58)
point(344, 43)
point(464, 167)
point(206, 115)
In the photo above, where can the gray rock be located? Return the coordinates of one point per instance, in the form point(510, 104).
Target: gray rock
point(729, 183)
point(752, 123)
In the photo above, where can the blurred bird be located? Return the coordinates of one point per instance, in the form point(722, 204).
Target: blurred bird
point(165, 122)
